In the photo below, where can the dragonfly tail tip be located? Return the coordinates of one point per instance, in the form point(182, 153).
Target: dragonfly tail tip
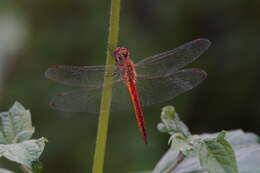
point(146, 142)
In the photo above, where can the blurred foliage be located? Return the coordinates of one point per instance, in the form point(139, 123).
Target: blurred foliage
point(213, 153)
point(75, 33)
point(245, 145)
point(16, 144)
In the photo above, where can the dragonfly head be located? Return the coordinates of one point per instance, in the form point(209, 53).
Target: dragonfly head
point(120, 54)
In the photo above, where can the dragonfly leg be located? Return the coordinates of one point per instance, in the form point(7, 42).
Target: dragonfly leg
point(114, 74)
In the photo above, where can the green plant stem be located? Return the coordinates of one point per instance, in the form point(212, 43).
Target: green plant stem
point(107, 90)
point(25, 169)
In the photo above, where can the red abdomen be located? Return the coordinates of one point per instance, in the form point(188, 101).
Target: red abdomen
point(137, 107)
point(128, 74)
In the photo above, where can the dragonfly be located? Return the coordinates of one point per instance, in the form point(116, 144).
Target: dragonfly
point(155, 79)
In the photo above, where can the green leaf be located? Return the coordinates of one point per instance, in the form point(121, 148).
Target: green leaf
point(171, 122)
point(5, 171)
point(217, 155)
point(245, 145)
point(186, 145)
point(214, 153)
point(237, 138)
point(25, 152)
point(15, 125)
point(187, 166)
point(180, 143)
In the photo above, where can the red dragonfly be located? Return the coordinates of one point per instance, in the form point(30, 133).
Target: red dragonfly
point(152, 80)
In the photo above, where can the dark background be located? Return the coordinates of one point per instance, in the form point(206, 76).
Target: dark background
point(37, 34)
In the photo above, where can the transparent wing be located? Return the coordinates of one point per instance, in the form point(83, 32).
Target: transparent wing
point(83, 76)
point(156, 90)
point(89, 99)
point(171, 61)
point(151, 91)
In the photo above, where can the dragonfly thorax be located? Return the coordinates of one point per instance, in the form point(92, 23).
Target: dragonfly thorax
point(120, 54)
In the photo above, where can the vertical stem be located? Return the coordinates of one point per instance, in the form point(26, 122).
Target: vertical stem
point(107, 90)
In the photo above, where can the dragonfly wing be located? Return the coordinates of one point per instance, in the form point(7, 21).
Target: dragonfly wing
point(81, 100)
point(151, 91)
point(171, 61)
point(83, 76)
point(89, 99)
point(160, 89)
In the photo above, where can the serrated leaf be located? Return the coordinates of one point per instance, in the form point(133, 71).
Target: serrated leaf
point(245, 145)
point(5, 171)
point(237, 138)
point(15, 125)
point(25, 152)
point(217, 156)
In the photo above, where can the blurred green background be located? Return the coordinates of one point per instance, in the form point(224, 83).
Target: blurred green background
point(37, 34)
